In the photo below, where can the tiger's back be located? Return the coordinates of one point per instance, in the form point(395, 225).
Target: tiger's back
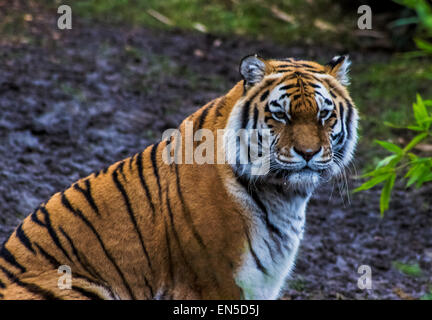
point(128, 232)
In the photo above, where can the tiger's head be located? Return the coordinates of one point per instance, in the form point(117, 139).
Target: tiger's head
point(308, 112)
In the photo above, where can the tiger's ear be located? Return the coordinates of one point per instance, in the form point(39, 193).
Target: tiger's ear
point(338, 67)
point(252, 69)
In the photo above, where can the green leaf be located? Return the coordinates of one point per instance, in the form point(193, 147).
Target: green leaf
point(378, 172)
point(392, 125)
point(409, 269)
point(423, 45)
point(427, 120)
point(415, 141)
point(415, 174)
point(389, 161)
point(404, 21)
point(390, 146)
point(420, 111)
point(385, 193)
point(415, 128)
point(412, 156)
point(425, 175)
point(373, 182)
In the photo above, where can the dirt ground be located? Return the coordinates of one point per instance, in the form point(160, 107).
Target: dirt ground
point(72, 102)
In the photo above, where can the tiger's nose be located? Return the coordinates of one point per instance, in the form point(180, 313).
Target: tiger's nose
point(307, 154)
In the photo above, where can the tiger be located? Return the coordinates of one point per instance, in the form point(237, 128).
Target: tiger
point(148, 227)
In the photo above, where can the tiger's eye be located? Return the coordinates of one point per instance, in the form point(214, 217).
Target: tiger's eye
point(280, 115)
point(324, 114)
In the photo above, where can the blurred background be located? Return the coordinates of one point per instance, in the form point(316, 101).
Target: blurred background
point(74, 101)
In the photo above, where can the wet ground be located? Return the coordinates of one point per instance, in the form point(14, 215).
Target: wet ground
point(72, 102)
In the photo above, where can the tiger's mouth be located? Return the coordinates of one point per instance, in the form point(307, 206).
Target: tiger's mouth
point(291, 166)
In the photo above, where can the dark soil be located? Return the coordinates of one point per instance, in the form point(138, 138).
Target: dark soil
point(72, 102)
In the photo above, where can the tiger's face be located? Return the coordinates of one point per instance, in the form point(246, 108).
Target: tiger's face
point(309, 113)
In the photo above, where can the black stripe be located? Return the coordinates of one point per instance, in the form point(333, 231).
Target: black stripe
point(343, 150)
point(264, 95)
point(80, 257)
point(131, 159)
point(52, 233)
point(283, 96)
point(341, 140)
point(177, 239)
point(255, 117)
point(53, 261)
point(314, 70)
point(276, 104)
point(9, 257)
point(143, 182)
point(348, 120)
point(270, 226)
point(269, 249)
point(245, 115)
point(296, 96)
point(24, 239)
point(220, 105)
point(35, 218)
point(134, 222)
point(155, 168)
point(170, 263)
point(334, 62)
point(131, 214)
point(189, 220)
point(29, 286)
point(120, 168)
point(2, 285)
point(87, 294)
point(246, 106)
point(246, 110)
point(80, 215)
point(288, 65)
point(203, 115)
point(186, 211)
point(255, 257)
point(87, 194)
point(287, 87)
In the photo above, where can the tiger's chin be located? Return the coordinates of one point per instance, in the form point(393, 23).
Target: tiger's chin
point(303, 180)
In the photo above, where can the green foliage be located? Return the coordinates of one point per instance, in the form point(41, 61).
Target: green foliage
point(423, 20)
point(403, 162)
point(280, 20)
point(408, 269)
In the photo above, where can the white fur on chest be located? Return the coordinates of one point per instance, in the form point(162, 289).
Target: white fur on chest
point(269, 259)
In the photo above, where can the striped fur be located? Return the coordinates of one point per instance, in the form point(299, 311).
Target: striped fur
point(145, 229)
